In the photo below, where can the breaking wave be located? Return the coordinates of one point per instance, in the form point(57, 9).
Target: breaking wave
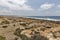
point(45, 18)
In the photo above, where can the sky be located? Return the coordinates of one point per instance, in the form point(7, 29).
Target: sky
point(30, 7)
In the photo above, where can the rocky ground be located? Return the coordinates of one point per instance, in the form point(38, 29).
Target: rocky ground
point(19, 28)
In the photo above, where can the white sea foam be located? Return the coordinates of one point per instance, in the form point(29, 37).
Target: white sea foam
point(45, 18)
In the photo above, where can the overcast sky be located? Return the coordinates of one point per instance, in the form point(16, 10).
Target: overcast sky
point(30, 7)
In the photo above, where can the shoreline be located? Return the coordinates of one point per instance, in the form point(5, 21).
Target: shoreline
point(12, 27)
point(40, 19)
point(50, 19)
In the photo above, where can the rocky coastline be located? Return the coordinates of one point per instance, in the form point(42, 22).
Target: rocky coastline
point(20, 28)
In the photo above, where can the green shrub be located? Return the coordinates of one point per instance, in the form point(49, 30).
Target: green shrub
point(5, 22)
point(17, 33)
point(24, 37)
point(37, 36)
point(23, 24)
point(2, 38)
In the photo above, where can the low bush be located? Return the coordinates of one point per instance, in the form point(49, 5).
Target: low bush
point(4, 26)
point(5, 22)
point(2, 38)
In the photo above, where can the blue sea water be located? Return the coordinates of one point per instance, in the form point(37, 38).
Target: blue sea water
point(54, 18)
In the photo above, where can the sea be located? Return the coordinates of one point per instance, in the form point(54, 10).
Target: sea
point(53, 18)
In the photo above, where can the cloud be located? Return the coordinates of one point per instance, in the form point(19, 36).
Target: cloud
point(58, 6)
point(15, 4)
point(46, 6)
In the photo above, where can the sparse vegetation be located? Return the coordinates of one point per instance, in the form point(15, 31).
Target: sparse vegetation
point(5, 26)
point(5, 22)
point(23, 24)
point(43, 29)
point(14, 25)
point(28, 29)
point(16, 38)
point(14, 21)
point(24, 37)
point(17, 32)
point(37, 36)
point(2, 38)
